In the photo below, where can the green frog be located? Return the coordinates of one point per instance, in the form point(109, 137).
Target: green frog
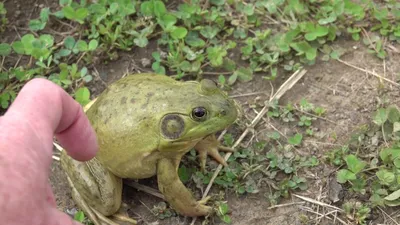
point(144, 124)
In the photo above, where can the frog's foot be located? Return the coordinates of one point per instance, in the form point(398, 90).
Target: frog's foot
point(99, 219)
point(122, 215)
point(95, 216)
point(210, 146)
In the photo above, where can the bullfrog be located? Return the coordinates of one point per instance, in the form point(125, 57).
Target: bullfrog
point(144, 124)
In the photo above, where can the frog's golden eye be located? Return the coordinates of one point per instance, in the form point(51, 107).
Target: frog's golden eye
point(199, 113)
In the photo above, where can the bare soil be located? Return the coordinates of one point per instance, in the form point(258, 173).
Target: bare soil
point(349, 95)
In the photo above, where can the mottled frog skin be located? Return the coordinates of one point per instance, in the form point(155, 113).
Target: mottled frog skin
point(144, 124)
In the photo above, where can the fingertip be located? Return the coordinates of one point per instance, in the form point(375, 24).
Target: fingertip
point(79, 139)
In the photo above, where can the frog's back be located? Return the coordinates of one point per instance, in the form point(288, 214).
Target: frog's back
point(131, 99)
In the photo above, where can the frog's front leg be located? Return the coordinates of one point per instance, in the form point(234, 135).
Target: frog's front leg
point(210, 146)
point(177, 195)
point(95, 190)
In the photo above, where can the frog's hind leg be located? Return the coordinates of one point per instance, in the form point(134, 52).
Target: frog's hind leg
point(95, 190)
point(210, 146)
point(91, 213)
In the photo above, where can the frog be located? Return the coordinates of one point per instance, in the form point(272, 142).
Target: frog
point(144, 124)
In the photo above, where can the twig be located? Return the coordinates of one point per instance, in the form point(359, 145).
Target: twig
point(395, 222)
point(318, 202)
point(148, 208)
point(369, 72)
point(336, 218)
point(279, 93)
point(16, 30)
point(369, 39)
point(248, 94)
point(287, 204)
point(144, 188)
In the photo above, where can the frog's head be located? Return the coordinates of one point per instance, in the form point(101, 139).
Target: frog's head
point(204, 110)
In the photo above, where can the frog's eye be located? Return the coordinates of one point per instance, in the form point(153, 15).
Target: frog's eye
point(199, 113)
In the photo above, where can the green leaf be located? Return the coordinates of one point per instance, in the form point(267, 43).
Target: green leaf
point(185, 66)
point(209, 32)
point(18, 47)
point(318, 31)
point(5, 49)
point(64, 52)
point(305, 48)
point(36, 25)
point(69, 42)
point(226, 219)
point(93, 44)
point(167, 21)
point(296, 139)
point(141, 41)
point(232, 79)
point(79, 216)
point(244, 74)
point(82, 95)
point(344, 175)
point(87, 78)
point(380, 117)
point(192, 39)
point(179, 33)
point(47, 39)
point(393, 196)
point(113, 8)
point(82, 46)
point(223, 208)
point(216, 55)
point(69, 12)
point(221, 79)
point(385, 177)
point(184, 174)
point(159, 8)
point(354, 164)
point(330, 19)
point(146, 8)
point(81, 14)
point(393, 114)
point(27, 41)
point(248, 9)
point(44, 14)
point(156, 56)
point(156, 66)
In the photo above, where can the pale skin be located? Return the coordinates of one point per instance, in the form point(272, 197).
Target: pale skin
point(41, 111)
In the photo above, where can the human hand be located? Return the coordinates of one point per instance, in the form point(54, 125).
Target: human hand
point(41, 110)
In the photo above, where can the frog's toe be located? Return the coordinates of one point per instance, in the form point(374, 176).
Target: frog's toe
point(201, 209)
point(210, 146)
point(122, 215)
point(205, 200)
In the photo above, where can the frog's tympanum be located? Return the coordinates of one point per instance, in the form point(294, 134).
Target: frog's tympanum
point(144, 124)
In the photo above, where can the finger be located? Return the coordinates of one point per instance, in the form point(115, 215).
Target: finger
point(46, 109)
point(50, 196)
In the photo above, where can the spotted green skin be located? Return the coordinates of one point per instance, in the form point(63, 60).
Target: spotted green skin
point(144, 125)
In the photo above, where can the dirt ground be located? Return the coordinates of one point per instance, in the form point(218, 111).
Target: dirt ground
point(349, 95)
